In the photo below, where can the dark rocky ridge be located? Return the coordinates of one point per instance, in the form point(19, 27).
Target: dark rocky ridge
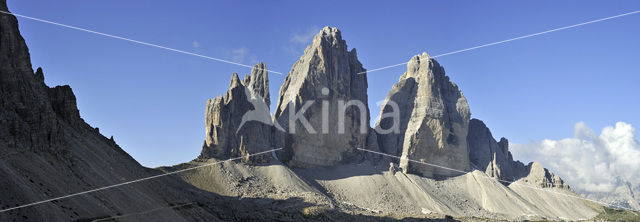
point(47, 150)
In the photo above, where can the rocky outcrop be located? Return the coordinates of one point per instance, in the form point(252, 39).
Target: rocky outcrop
point(539, 176)
point(495, 159)
point(238, 123)
point(63, 102)
point(258, 82)
point(322, 105)
point(26, 112)
point(488, 155)
point(373, 145)
point(432, 124)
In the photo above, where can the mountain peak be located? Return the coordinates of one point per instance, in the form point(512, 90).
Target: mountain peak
point(238, 124)
point(258, 82)
point(235, 80)
point(420, 57)
point(328, 37)
point(326, 71)
point(431, 105)
point(329, 33)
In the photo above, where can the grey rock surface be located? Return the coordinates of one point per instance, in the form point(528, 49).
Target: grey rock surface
point(433, 123)
point(326, 73)
point(238, 123)
point(372, 144)
point(539, 176)
point(258, 82)
point(495, 160)
point(488, 155)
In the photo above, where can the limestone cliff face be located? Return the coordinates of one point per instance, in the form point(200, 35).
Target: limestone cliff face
point(496, 161)
point(238, 123)
point(539, 176)
point(434, 120)
point(327, 81)
point(258, 82)
point(488, 155)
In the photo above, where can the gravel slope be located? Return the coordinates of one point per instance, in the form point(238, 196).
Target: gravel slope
point(371, 189)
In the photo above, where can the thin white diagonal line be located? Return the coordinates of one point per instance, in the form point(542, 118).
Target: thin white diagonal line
point(509, 40)
point(134, 41)
point(135, 181)
point(506, 181)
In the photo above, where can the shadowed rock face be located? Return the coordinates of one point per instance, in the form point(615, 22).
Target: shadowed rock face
point(487, 154)
point(27, 114)
point(496, 161)
point(238, 123)
point(326, 73)
point(433, 123)
point(48, 151)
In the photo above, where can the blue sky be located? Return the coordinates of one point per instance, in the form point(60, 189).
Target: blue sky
point(153, 100)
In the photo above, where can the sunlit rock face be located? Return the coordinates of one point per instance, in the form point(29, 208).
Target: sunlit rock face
point(332, 78)
point(433, 123)
point(238, 124)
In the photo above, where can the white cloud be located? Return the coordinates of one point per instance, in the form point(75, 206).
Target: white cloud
point(306, 36)
point(589, 162)
point(196, 44)
point(240, 55)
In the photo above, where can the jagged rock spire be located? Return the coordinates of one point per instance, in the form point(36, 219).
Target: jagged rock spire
point(488, 155)
point(433, 123)
point(238, 123)
point(258, 82)
point(326, 73)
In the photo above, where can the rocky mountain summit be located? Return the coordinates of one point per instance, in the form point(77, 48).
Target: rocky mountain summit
point(239, 123)
point(433, 123)
point(328, 85)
